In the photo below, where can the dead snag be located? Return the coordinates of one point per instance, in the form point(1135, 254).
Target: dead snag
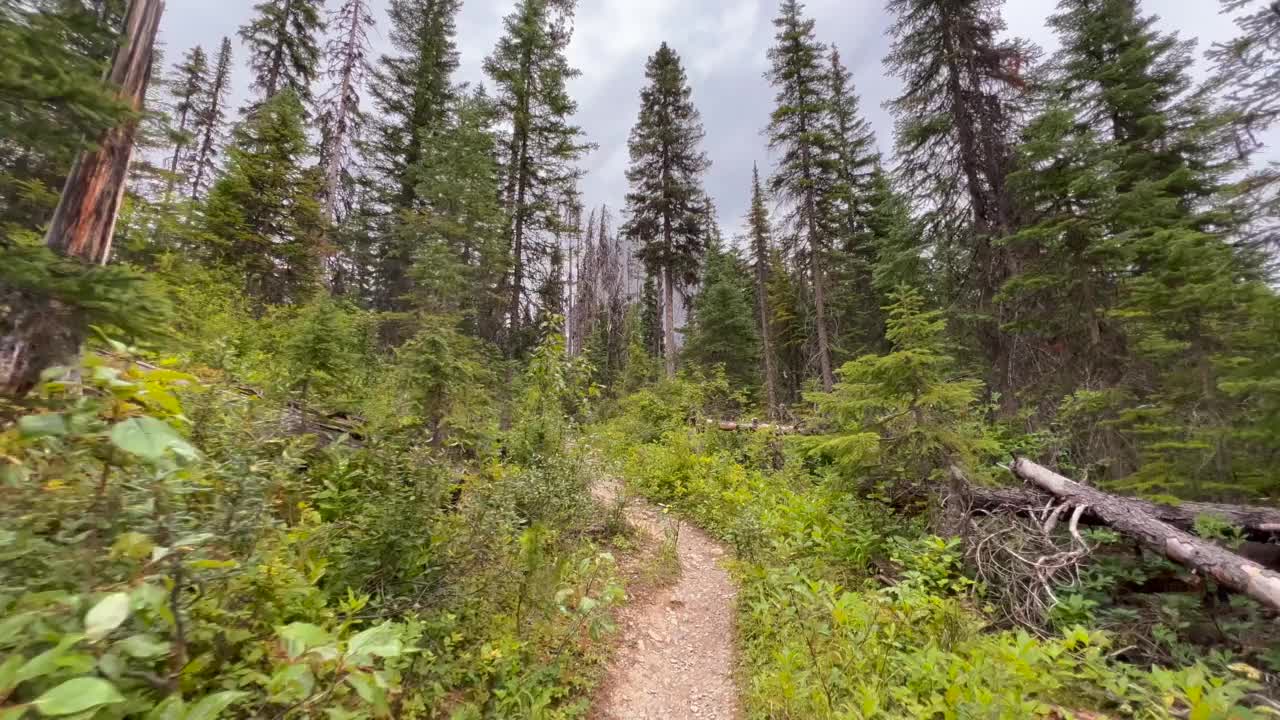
point(40, 331)
point(1129, 517)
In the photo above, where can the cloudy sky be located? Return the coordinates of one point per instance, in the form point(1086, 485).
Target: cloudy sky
point(723, 43)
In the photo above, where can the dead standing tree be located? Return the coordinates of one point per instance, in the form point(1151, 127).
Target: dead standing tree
point(41, 331)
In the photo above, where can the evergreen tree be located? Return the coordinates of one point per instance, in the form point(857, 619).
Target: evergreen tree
point(857, 323)
point(458, 232)
point(53, 104)
point(414, 90)
point(262, 214)
point(284, 49)
point(341, 117)
point(651, 316)
point(529, 69)
point(722, 332)
point(955, 129)
point(208, 121)
point(189, 86)
point(807, 173)
point(761, 253)
point(1248, 74)
point(666, 204)
point(1248, 67)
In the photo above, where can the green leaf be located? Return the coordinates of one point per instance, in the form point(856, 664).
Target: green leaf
point(133, 545)
point(143, 646)
point(211, 706)
point(109, 614)
point(49, 424)
point(291, 683)
point(382, 641)
point(13, 713)
point(150, 439)
point(300, 637)
point(47, 661)
point(367, 688)
point(9, 673)
point(171, 708)
point(77, 695)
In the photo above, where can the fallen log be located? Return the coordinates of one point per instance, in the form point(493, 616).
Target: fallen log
point(1128, 517)
point(1258, 523)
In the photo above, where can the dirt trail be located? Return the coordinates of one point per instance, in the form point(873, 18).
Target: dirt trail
point(675, 660)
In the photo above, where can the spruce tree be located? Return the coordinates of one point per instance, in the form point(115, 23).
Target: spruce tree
point(53, 104)
point(529, 69)
point(722, 332)
point(460, 255)
point(189, 86)
point(208, 121)
point(414, 90)
point(341, 116)
point(666, 204)
point(284, 50)
point(760, 235)
point(857, 323)
point(807, 173)
point(1248, 66)
point(956, 122)
point(262, 214)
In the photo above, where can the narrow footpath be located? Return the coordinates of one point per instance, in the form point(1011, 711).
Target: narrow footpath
point(675, 660)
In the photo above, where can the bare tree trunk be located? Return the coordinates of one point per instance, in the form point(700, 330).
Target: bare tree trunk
point(1126, 516)
point(41, 332)
point(668, 323)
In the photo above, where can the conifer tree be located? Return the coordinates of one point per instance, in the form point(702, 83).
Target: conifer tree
point(1248, 66)
point(666, 204)
point(722, 332)
point(806, 175)
point(414, 90)
point(857, 320)
point(341, 116)
point(284, 50)
point(53, 104)
point(262, 213)
point(955, 126)
point(529, 69)
point(208, 121)
point(460, 254)
point(189, 86)
point(760, 235)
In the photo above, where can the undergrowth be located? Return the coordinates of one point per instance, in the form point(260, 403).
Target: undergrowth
point(851, 610)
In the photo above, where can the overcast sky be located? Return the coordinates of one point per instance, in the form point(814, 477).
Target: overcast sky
point(723, 43)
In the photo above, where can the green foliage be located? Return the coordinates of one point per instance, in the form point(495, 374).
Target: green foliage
point(903, 417)
point(722, 331)
point(262, 215)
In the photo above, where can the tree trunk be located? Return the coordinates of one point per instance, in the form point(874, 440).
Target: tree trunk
point(1130, 518)
point(40, 331)
point(1260, 523)
point(668, 323)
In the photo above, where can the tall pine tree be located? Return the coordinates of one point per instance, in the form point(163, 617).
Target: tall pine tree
point(208, 123)
point(190, 85)
point(666, 205)
point(806, 174)
point(529, 69)
point(760, 234)
point(262, 214)
point(284, 47)
point(956, 125)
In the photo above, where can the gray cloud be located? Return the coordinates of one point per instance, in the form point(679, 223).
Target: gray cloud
point(723, 43)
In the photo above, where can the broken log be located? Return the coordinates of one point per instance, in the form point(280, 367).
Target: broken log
point(1129, 517)
point(1259, 523)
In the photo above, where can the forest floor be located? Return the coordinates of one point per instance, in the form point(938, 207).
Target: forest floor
point(675, 656)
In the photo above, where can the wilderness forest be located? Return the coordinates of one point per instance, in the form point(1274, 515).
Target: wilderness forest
point(329, 396)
